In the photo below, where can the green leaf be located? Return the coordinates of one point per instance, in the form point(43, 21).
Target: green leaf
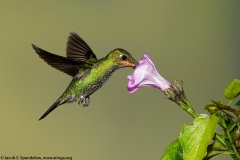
point(173, 152)
point(232, 90)
point(195, 139)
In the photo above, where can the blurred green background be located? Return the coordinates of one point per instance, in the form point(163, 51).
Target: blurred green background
point(193, 41)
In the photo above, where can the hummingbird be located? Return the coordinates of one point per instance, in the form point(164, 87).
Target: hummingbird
point(89, 73)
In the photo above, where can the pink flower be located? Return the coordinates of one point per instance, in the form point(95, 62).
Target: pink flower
point(145, 74)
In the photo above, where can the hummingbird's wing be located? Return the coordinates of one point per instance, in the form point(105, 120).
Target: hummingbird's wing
point(68, 66)
point(78, 49)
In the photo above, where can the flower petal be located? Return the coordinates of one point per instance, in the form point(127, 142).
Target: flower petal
point(145, 74)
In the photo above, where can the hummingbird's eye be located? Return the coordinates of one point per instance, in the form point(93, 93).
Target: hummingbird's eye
point(123, 57)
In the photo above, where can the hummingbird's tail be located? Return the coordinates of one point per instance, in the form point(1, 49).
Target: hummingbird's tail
point(55, 105)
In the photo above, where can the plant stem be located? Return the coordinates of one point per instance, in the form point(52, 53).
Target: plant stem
point(227, 131)
point(232, 127)
point(188, 108)
point(232, 145)
point(220, 140)
point(230, 102)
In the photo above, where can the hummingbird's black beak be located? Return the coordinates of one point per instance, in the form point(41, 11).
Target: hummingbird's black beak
point(134, 64)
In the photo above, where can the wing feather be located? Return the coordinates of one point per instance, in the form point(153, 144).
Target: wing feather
point(66, 65)
point(78, 49)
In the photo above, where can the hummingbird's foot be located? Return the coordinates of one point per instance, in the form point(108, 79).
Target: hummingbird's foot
point(84, 101)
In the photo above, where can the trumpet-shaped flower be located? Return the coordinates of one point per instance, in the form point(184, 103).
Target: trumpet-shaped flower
point(145, 74)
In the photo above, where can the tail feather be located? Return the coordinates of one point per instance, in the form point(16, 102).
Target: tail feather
point(54, 106)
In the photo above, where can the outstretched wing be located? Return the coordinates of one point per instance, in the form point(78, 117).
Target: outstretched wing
point(68, 66)
point(78, 49)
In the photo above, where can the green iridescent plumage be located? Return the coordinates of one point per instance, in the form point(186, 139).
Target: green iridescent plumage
point(89, 74)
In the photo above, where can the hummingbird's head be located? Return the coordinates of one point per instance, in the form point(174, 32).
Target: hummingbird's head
point(122, 58)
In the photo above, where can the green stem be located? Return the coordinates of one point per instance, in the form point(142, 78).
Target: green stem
point(230, 102)
point(232, 127)
point(191, 112)
point(229, 137)
point(188, 108)
point(191, 109)
point(232, 145)
point(189, 104)
point(222, 121)
point(220, 140)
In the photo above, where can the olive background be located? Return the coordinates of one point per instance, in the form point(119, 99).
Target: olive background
point(193, 41)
